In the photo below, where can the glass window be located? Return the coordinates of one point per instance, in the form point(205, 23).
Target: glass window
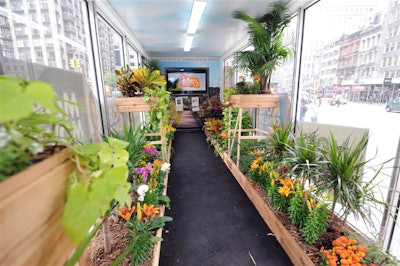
point(132, 57)
point(28, 55)
point(112, 59)
point(340, 97)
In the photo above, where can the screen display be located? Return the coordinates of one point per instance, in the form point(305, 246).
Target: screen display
point(187, 80)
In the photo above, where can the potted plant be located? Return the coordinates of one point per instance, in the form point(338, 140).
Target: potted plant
point(30, 120)
point(266, 37)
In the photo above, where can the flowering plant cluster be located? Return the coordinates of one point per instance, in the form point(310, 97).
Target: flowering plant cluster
point(169, 132)
point(345, 252)
point(142, 216)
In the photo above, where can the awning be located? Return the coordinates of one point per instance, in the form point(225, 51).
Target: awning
point(337, 89)
point(357, 88)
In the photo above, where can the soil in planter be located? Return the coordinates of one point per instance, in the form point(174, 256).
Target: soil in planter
point(118, 243)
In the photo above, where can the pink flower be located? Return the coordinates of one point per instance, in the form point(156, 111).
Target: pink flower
point(144, 171)
point(150, 150)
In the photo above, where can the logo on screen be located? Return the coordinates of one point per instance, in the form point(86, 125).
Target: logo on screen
point(187, 81)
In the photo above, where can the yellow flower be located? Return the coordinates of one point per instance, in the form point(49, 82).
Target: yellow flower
point(274, 175)
point(263, 167)
point(286, 181)
point(270, 165)
point(285, 191)
point(256, 163)
point(126, 213)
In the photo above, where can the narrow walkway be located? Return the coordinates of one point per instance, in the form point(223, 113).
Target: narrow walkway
point(214, 221)
point(187, 120)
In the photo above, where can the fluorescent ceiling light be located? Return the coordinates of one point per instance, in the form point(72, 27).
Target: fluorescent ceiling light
point(195, 16)
point(188, 43)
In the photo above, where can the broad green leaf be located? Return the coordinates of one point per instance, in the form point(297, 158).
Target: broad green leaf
point(120, 157)
point(117, 143)
point(43, 94)
point(14, 104)
point(79, 214)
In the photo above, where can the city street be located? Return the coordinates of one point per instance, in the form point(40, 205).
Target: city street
point(384, 135)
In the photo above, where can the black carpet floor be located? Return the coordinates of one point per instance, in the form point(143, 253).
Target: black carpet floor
point(214, 221)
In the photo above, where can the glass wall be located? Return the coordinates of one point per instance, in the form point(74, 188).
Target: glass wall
point(49, 40)
point(349, 71)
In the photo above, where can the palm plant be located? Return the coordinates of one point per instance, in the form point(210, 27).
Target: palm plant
point(266, 36)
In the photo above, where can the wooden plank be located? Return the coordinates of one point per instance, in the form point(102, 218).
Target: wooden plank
point(254, 104)
point(25, 178)
point(132, 104)
point(157, 246)
point(31, 209)
point(253, 137)
point(254, 101)
point(292, 249)
point(133, 108)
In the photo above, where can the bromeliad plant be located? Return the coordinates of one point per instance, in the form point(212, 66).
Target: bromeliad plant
point(30, 122)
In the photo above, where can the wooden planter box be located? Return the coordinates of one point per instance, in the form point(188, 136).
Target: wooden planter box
point(31, 208)
point(254, 100)
point(288, 243)
point(132, 104)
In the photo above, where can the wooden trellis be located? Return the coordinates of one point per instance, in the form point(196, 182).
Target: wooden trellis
point(255, 101)
point(137, 104)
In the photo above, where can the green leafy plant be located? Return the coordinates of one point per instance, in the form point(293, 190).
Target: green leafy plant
point(136, 140)
point(159, 99)
point(141, 236)
point(100, 179)
point(30, 120)
point(124, 80)
point(316, 222)
point(343, 176)
point(266, 36)
point(305, 157)
point(278, 143)
point(298, 210)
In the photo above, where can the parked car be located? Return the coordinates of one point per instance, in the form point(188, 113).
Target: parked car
point(394, 104)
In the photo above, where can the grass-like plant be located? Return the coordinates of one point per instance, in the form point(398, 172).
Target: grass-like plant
point(305, 157)
point(278, 143)
point(344, 177)
point(136, 140)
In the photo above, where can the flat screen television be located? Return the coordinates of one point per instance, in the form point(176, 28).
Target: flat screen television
point(187, 80)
